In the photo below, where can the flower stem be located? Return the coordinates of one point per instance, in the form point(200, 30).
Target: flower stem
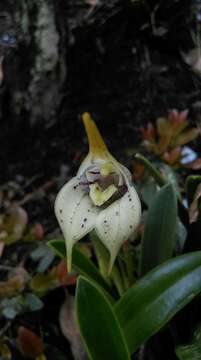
point(160, 180)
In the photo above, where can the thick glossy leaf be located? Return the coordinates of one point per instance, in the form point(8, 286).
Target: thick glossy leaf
point(149, 191)
point(157, 297)
point(80, 263)
point(158, 240)
point(191, 351)
point(98, 324)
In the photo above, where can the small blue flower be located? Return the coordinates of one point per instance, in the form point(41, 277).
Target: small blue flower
point(188, 155)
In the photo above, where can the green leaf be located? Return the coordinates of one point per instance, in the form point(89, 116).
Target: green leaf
point(81, 263)
point(172, 178)
point(98, 324)
point(158, 240)
point(191, 351)
point(149, 191)
point(148, 305)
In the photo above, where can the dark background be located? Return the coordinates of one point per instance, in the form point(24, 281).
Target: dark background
point(120, 60)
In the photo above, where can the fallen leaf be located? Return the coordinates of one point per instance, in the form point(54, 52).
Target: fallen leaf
point(194, 207)
point(30, 344)
point(69, 329)
point(11, 287)
point(5, 352)
point(13, 224)
point(44, 282)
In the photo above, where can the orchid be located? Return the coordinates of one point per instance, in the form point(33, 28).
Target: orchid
point(100, 197)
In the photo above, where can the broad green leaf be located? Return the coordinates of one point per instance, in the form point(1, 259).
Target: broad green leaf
point(149, 191)
point(172, 177)
point(158, 240)
point(98, 324)
point(149, 304)
point(81, 263)
point(191, 351)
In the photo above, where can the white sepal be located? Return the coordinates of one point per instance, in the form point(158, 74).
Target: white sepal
point(75, 213)
point(116, 223)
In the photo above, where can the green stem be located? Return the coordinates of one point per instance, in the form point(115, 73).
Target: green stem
point(117, 280)
point(123, 274)
point(129, 261)
point(160, 180)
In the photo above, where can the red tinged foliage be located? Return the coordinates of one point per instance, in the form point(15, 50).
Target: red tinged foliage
point(63, 276)
point(30, 344)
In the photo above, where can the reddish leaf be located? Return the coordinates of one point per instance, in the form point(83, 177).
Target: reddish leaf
point(148, 133)
point(173, 156)
point(37, 231)
point(177, 117)
point(30, 344)
point(63, 276)
point(195, 164)
point(138, 170)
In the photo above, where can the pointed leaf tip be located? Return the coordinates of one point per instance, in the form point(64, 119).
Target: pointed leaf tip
point(97, 145)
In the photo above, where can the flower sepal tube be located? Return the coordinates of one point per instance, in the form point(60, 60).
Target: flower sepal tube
point(101, 197)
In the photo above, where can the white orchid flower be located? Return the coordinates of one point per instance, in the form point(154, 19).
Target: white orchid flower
point(100, 197)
